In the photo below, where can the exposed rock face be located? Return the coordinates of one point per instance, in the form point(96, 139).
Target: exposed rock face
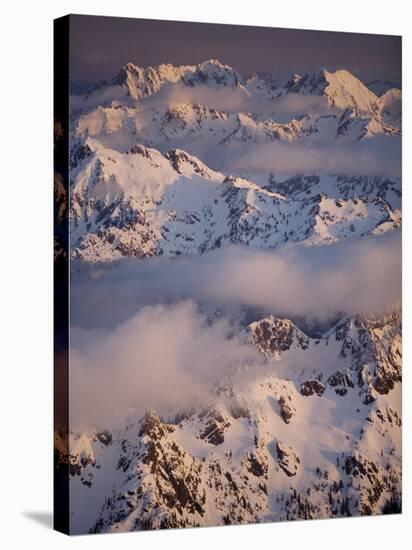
point(273, 336)
point(212, 73)
point(288, 459)
point(170, 478)
point(105, 437)
point(214, 425)
point(258, 461)
point(180, 160)
point(340, 381)
point(141, 82)
point(81, 455)
point(312, 387)
point(374, 348)
point(222, 465)
point(167, 487)
point(372, 479)
point(286, 409)
point(112, 216)
point(80, 153)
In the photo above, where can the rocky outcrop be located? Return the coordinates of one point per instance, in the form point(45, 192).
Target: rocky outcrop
point(312, 387)
point(340, 382)
point(373, 345)
point(287, 458)
point(286, 409)
point(105, 437)
point(214, 425)
point(273, 336)
point(257, 461)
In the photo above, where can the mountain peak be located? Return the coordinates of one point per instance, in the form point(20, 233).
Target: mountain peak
point(214, 73)
point(344, 90)
point(215, 62)
point(380, 87)
point(274, 335)
point(130, 67)
point(142, 82)
point(340, 88)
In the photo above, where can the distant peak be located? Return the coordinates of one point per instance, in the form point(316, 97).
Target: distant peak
point(380, 87)
point(128, 70)
point(130, 67)
point(341, 89)
point(340, 73)
point(213, 61)
point(165, 70)
point(262, 75)
point(213, 72)
point(215, 66)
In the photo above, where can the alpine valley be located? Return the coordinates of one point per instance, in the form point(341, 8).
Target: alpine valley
point(180, 163)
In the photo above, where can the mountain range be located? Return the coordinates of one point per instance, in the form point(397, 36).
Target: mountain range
point(123, 145)
point(177, 162)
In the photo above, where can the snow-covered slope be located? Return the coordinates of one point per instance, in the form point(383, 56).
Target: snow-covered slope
point(135, 83)
point(141, 203)
point(322, 439)
point(341, 89)
point(175, 105)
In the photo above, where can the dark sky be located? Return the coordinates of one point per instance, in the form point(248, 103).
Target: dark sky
point(100, 46)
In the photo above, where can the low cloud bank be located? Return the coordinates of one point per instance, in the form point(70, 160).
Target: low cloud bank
point(164, 357)
point(139, 338)
point(378, 156)
point(236, 100)
point(355, 276)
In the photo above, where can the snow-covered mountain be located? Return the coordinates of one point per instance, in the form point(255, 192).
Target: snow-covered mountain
point(318, 434)
point(169, 103)
point(341, 89)
point(313, 428)
point(122, 143)
point(141, 203)
point(137, 82)
point(379, 87)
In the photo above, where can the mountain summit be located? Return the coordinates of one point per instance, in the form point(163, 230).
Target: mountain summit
point(340, 88)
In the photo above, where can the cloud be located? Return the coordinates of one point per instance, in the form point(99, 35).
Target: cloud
point(235, 100)
point(100, 96)
point(355, 276)
point(294, 104)
point(360, 276)
point(378, 156)
point(164, 357)
point(142, 335)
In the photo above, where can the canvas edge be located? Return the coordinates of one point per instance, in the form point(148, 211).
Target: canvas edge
point(61, 495)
